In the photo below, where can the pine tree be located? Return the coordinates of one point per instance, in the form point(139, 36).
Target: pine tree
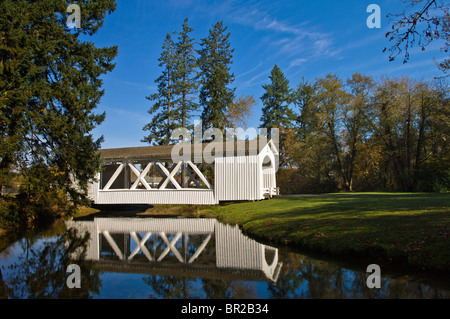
point(185, 82)
point(50, 86)
point(174, 101)
point(214, 63)
point(165, 117)
point(276, 111)
point(276, 100)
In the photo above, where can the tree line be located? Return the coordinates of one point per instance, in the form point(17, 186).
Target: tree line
point(361, 134)
point(353, 134)
point(195, 78)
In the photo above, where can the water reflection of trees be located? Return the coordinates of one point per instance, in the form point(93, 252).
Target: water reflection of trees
point(304, 277)
point(173, 287)
point(40, 271)
point(219, 289)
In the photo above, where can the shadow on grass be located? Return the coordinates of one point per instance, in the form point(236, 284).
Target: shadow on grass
point(407, 229)
point(351, 206)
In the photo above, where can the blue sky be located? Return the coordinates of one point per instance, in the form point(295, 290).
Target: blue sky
point(304, 38)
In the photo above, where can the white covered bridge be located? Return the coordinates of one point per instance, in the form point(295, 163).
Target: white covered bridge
point(210, 173)
point(187, 247)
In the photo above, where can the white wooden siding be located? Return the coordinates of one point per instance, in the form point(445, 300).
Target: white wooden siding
point(237, 178)
point(268, 177)
point(234, 250)
point(156, 225)
point(156, 196)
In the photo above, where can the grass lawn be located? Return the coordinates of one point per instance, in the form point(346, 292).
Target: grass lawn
point(396, 228)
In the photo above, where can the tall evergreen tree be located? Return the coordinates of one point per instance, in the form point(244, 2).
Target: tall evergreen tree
point(50, 86)
point(165, 116)
point(214, 63)
point(174, 101)
point(276, 111)
point(185, 81)
point(276, 100)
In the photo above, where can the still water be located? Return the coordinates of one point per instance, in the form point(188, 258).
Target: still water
point(180, 258)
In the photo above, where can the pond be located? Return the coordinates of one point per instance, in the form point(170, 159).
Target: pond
point(162, 258)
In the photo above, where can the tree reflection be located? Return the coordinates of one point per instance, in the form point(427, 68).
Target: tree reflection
point(171, 287)
point(40, 271)
point(304, 277)
point(290, 279)
point(217, 289)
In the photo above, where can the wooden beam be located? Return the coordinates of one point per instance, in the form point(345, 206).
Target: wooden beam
point(113, 178)
point(113, 244)
point(170, 246)
point(140, 176)
point(192, 178)
point(200, 249)
point(199, 174)
point(141, 246)
point(170, 176)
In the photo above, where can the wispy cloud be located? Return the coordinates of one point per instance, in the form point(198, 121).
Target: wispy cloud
point(135, 85)
point(132, 116)
point(297, 62)
point(253, 81)
point(289, 43)
point(283, 37)
point(250, 71)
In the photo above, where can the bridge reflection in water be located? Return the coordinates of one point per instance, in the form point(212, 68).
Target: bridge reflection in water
point(188, 247)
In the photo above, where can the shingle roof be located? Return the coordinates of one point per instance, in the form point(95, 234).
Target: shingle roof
point(164, 152)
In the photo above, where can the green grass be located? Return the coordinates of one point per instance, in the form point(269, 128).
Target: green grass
point(402, 228)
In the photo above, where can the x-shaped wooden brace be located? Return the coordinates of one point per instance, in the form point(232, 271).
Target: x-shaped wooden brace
point(141, 246)
point(170, 246)
point(141, 176)
point(169, 175)
point(198, 173)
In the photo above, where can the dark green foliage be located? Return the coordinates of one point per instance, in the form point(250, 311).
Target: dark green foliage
point(276, 100)
point(50, 85)
point(174, 102)
point(10, 215)
point(214, 63)
point(165, 118)
point(276, 112)
point(434, 176)
point(303, 181)
point(186, 83)
point(303, 99)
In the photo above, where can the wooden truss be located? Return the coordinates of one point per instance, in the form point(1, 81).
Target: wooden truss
point(170, 247)
point(168, 176)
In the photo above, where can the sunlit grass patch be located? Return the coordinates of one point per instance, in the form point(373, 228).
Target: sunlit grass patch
point(406, 226)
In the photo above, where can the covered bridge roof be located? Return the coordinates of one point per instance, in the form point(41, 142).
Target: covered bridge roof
point(164, 152)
